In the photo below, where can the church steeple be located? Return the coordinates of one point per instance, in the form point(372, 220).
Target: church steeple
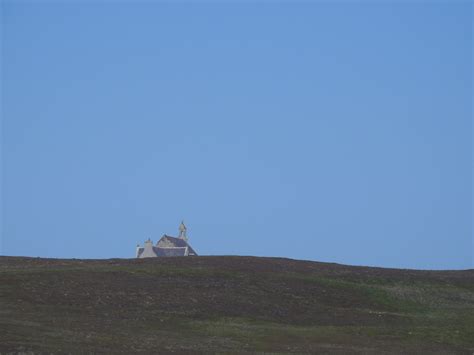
point(182, 231)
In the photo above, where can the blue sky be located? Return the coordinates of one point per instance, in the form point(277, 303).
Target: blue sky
point(337, 132)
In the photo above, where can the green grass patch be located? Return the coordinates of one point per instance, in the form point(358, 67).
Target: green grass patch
point(268, 336)
point(380, 297)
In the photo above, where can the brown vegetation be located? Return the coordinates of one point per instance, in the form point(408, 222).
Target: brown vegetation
point(230, 304)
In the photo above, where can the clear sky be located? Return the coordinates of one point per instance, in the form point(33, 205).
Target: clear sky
point(337, 132)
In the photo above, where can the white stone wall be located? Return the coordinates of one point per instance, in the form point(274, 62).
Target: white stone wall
point(165, 243)
point(148, 250)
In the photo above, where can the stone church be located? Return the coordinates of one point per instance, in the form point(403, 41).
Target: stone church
point(167, 246)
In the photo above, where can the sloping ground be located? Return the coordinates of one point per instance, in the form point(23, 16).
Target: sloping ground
point(231, 304)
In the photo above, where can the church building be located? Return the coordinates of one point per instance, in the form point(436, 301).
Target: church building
point(167, 246)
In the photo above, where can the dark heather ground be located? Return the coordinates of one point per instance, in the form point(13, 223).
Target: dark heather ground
point(231, 304)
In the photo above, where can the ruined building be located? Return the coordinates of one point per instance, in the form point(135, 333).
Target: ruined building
point(167, 246)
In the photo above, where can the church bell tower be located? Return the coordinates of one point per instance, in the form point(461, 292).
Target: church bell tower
point(182, 232)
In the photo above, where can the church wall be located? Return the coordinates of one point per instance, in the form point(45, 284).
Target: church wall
point(148, 250)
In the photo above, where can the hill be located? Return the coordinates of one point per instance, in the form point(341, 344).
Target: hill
point(231, 304)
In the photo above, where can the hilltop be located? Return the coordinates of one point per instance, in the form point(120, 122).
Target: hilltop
point(231, 304)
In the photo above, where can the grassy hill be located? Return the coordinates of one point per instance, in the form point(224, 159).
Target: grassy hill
point(231, 304)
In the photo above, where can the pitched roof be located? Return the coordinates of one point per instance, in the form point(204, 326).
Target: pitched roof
point(167, 246)
point(170, 251)
point(177, 242)
point(174, 243)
